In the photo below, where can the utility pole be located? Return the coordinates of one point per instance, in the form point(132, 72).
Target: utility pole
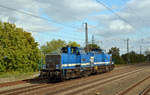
point(86, 37)
point(93, 41)
point(141, 46)
point(128, 59)
point(127, 46)
point(140, 49)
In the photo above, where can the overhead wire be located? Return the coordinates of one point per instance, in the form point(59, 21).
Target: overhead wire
point(35, 16)
point(133, 12)
point(136, 14)
point(120, 17)
point(42, 18)
point(30, 14)
point(60, 35)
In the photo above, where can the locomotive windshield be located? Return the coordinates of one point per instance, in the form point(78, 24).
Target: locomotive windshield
point(64, 50)
point(73, 50)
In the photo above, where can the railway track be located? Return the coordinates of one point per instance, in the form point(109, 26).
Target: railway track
point(146, 91)
point(51, 88)
point(40, 86)
point(23, 89)
point(12, 83)
point(86, 85)
point(135, 85)
point(17, 82)
point(6, 84)
point(97, 83)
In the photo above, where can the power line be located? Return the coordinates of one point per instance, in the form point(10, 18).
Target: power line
point(74, 34)
point(35, 16)
point(123, 19)
point(127, 46)
point(93, 40)
point(60, 35)
point(42, 18)
point(38, 17)
point(128, 54)
point(141, 45)
point(133, 12)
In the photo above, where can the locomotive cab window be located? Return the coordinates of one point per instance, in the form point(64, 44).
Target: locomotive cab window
point(74, 50)
point(64, 50)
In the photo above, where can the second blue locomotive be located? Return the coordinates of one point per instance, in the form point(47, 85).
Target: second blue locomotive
point(74, 62)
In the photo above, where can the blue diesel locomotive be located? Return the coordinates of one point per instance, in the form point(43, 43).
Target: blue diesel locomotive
point(74, 62)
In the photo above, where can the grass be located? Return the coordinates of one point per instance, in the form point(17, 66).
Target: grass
point(13, 76)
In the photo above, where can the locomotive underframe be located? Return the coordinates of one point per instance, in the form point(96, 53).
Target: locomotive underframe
point(60, 75)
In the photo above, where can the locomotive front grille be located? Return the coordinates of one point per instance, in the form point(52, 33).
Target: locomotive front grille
point(52, 61)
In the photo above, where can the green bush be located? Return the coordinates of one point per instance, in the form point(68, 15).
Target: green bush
point(18, 49)
point(118, 60)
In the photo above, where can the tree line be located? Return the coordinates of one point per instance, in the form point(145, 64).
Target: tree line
point(128, 58)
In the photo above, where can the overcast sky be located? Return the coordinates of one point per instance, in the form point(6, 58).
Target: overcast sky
point(64, 19)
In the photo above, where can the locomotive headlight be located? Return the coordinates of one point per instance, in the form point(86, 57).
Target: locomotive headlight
point(112, 62)
point(92, 59)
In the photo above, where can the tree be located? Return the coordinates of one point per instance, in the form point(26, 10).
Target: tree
point(73, 44)
point(53, 46)
point(134, 57)
point(147, 52)
point(18, 49)
point(93, 46)
point(114, 51)
point(116, 55)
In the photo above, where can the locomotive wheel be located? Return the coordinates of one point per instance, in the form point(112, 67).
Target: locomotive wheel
point(84, 74)
point(62, 78)
point(107, 69)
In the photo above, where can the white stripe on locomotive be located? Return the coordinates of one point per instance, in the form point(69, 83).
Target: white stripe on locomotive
point(84, 64)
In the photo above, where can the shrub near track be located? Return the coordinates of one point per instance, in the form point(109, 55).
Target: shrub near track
point(18, 49)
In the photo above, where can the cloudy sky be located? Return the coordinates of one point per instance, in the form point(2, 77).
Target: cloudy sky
point(64, 19)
